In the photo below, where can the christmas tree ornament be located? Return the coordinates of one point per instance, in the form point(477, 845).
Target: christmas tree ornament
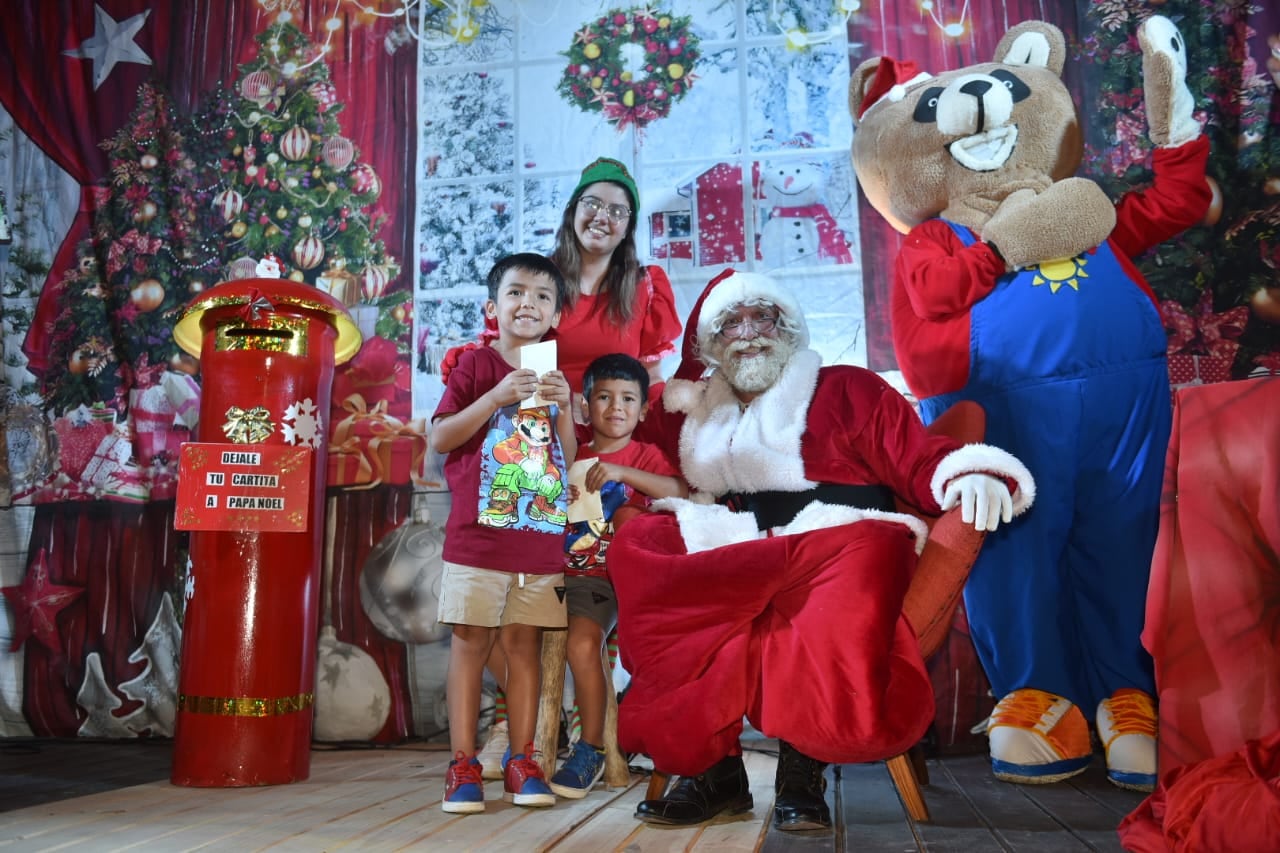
point(373, 282)
point(272, 230)
point(352, 699)
point(400, 313)
point(364, 181)
point(238, 229)
point(296, 144)
point(1214, 211)
point(148, 161)
point(184, 363)
point(147, 294)
point(282, 212)
point(242, 267)
point(36, 604)
point(400, 583)
point(146, 212)
point(338, 152)
point(229, 204)
point(324, 93)
point(308, 252)
point(79, 362)
point(262, 88)
point(87, 264)
point(304, 221)
point(1265, 304)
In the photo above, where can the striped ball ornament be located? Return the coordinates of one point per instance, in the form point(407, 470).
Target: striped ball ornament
point(296, 143)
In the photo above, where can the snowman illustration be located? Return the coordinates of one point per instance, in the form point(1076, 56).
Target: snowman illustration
point(799, 230)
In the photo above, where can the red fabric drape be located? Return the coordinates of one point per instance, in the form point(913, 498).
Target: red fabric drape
point(1213, 606)
point(905, 31)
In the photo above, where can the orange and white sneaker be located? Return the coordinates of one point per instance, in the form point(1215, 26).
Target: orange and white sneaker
point(1127, 729)
point(1037, 737)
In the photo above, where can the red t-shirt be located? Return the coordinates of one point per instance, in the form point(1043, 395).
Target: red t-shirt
point(481, 473)
point(588, 541)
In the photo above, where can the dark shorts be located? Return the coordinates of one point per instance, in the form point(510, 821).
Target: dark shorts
point(593, 598)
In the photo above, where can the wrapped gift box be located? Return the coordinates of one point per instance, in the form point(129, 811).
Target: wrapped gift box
point(395, 450)
point(77, 441)
point(1186, 369)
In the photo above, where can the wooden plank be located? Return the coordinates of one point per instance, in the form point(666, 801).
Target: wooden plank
point(870, 811)
point(1013, 817)
point(1088, 804)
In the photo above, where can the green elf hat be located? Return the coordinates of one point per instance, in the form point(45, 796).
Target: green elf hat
point(607, 169)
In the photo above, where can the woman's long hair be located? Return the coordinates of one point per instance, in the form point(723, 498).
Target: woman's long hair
point(620, 279)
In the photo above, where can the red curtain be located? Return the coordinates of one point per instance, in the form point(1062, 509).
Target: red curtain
point(905, 31)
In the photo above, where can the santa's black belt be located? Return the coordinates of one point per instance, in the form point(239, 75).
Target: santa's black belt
point(776, 509)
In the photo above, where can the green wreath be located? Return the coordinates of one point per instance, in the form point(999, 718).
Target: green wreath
point(630, 65)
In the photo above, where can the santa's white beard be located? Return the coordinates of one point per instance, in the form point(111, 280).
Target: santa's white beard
point(757, 374)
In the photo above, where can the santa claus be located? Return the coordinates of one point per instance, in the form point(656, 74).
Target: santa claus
point(775, 592)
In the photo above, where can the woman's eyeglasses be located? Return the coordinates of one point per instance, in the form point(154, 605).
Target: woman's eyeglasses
point(762, 325)
point(616, 212)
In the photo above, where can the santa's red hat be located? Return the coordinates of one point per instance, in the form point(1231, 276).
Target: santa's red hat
point(892, 79)
point(727, 289)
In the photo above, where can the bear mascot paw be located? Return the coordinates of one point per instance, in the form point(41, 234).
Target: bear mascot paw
point(1016, 287)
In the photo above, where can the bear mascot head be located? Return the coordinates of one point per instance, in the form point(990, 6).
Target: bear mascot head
point(1016, 287)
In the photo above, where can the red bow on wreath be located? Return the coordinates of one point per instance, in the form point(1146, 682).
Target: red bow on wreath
point(1202, 332)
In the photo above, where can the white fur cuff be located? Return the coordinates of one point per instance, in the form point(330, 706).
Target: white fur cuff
point(985, 459)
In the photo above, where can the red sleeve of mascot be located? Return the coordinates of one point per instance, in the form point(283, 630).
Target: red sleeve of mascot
point(1177, 199)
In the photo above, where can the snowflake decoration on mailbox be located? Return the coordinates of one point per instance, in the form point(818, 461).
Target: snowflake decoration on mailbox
point(306, 427)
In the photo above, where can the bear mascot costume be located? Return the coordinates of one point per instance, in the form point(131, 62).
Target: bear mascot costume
point(1015, 287)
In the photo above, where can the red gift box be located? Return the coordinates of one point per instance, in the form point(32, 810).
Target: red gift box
point(377, 375)
point(1198, 369)
point(155, 423)
point(1202, 344)
point(395, 450)
point(77, 443)
point(348, 466)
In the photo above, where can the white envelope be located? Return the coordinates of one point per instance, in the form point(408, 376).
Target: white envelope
point(540, 358)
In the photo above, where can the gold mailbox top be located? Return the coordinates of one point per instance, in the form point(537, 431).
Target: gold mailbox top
point(261, 296)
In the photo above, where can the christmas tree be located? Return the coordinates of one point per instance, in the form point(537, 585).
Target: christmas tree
point(148, 253)
point(1231, 261)
point(292, 185)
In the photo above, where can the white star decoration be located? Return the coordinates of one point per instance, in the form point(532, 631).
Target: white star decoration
point(112, 42)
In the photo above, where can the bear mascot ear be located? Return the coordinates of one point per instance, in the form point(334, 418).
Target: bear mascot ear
point(1033, 43)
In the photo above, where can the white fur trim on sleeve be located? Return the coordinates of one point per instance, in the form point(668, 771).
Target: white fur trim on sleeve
point(985, 459)
point(707, 526)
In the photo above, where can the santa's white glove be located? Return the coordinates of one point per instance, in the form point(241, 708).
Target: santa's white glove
point(984, 500)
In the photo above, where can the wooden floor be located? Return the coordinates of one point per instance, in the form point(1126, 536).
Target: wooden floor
point(106, 796)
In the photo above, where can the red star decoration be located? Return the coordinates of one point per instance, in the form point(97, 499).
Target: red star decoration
point(36, 604)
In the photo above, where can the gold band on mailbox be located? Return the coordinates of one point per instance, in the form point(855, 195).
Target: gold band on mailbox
point(244, 706)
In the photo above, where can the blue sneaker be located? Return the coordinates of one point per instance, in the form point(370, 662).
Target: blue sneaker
point(463, 786)
point(524, 783)
point(580, 772)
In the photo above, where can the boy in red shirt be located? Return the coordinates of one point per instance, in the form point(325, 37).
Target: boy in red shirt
point(627, 474)
point(504, 540)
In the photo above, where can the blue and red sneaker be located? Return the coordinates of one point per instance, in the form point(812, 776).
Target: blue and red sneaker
point(524, 783)
point(463, 785)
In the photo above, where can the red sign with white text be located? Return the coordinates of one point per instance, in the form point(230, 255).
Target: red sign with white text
point(243, 487)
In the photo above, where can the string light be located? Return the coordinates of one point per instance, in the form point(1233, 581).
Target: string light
point(952, 29)
point(799, 39)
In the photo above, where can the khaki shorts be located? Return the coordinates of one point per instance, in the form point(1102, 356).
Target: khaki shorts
point(489, 598)
point(593, 598)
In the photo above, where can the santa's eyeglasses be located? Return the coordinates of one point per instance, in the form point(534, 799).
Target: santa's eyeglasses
point(761, 325)
point(615, 212)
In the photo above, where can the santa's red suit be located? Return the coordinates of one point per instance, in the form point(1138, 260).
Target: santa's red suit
point(800, 627)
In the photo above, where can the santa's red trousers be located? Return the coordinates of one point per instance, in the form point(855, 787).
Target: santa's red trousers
point(802, 634)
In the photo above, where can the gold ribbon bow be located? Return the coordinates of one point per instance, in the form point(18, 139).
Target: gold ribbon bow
point(248, 427)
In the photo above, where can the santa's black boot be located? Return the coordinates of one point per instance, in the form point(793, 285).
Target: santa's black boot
point(693, 799)
point(800, 788)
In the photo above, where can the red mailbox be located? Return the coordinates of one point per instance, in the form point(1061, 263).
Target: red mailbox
point(267, 349)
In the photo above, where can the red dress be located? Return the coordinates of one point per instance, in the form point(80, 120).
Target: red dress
point(585, 333)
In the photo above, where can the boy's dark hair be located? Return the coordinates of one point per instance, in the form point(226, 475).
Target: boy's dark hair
point(528, 262)
point(616, 365)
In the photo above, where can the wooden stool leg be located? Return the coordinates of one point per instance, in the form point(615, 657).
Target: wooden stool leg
point(546, 738)
point(904, 779)
point(616, 772)
point(657, 785)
